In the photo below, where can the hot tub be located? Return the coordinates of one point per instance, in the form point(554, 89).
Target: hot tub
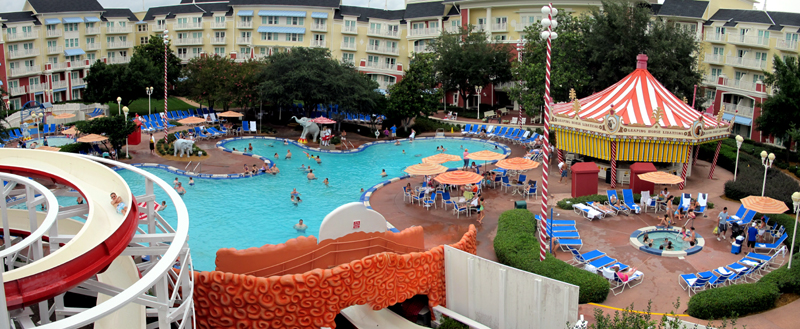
point(658, 234)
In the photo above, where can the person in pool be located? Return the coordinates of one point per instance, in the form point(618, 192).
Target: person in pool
point(250, 146)
point(118, 204)
point(175, 183)
point(325, 182)
point(318, 160)
point(163, 206)
point(295, 193)
point(288, 154)
point(646, 239)
point(180, 189)
point(383, 173)
point(362, 190)
point(264, 167)
point(404, 152)
point(275, 169)
point(191, 181)
point(80, 200)
point(294, 200)
point(300, 227)
point(285, 142)
point(45, 142)
point(397, 142)
point(311, 175)
point(276, 156)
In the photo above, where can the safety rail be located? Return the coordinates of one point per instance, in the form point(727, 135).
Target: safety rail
point(197, 166)
point(187, 166)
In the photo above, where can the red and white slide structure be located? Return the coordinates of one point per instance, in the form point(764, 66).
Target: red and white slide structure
point(135, 263)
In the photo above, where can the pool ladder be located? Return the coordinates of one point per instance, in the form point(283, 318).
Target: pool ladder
point(195, 167)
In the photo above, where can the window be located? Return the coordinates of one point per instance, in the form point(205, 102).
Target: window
point(197, 35)
point(89, 41)
point(350, 25)
point(319, 37)
point(109, 24)
point(375, 27)
point(294, 37)
point(219, 19)
point(244, 51)
point(269, 36)
point(319, 21)
point(123, 39)
point(51, 28)
point(142, 27)
point(348, 58)
point(762, 56)
point(373, 60)
point(57, 96)
point(121, 24)
point(763, 37)
point(11, 30)
point(786, 57)
point(245, 35)
point(710, 95)
point(719, 51)
point(455, 23)
point(28, 46)
point(162, 23)
point(33, 81)
point(391, 45)
point(197, 20)
point(12, 48)
point(144, 40)
point(110, 39)
point(71, 27)
point(294, 20)
point(16, 103)
point(76, 94)
point(433, 25)
point(392, 29)
point(181, 52)
point(481, 21)
point(220, 51)
point(220, 35)
point(13, 84)
point(688, 27)
point(72, 43)
point(500, 37)
point(245, 19)
point(715, 73)
point(89, 25)
point(418, 26)
point(74, 75)
point(791, 40)
point(500, 20)
point(741, 53)
point(27, 29)
point(349, 40)
point(374, 44)
point(455, 98)
point(740, 75)
point(528, 20)
point(183, 21)
point(757, 78)
point(50, 44)
point(719, 30)
point(270, 20)
point(91, 57)
point(196, 52)
point(52, 60)
point(111, 54)
point(183, 36)
point(390, 62)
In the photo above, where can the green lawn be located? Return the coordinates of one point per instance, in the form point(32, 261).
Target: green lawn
point(140, 106)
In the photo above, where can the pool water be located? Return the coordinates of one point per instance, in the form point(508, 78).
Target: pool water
point(52, 141)
point(252, 212)
point(658, 240)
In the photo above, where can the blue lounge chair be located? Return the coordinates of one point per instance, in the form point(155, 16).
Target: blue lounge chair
point(769, 261)
point(702, 203)
point(602, 262)
point(466, 129)
point(557, 222)
point(693, 283)
point(214, 131)
point(516, 134)
point(618, 209)
point(564, 235)
point(494, 131)
point(200, 133)
point(521, 138)
point(628, 194)
point(192, 112)
point(580, 259)
point(563, 228)
point(748, 217)
point(246, 126)
point(509, 133)
point(570, 243)
point(45, 129)
point(476, 130)
point(772, 247)
point(739, 214)
point(499, 133)
point(15, 134)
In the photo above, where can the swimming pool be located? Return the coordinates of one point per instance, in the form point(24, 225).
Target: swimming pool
point(659, 235)
point(52, 141)
point(252, 212)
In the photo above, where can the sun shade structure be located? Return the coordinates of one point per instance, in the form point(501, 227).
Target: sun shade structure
point(485, 156)
point(92, 138)
point(192, 120)
point(99, 116)
point(323, 121)
point(70, 131)
point(425, 169)
point(64, 116)
point(441, 158)
point(143, 208)
point(48, 148)
point(458, 177)
point(230, 114)
point(660, 177)
point(518, 164)
point(764, 205)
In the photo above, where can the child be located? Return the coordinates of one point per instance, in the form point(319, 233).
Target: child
point(191, 181)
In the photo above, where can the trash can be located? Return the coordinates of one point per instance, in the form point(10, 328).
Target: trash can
point(520, 204)
point(736, 247)
point(608, 175)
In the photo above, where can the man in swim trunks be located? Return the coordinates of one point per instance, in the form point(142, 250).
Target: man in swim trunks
point(288, 154)
point(118, 204)
point(300, 227)
point(311, 175)
point(180, 189)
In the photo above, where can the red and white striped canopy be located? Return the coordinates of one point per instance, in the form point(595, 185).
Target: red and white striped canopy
point(635, 99)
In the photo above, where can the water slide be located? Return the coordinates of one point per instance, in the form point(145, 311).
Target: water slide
point(94, 245)
point(364, 317)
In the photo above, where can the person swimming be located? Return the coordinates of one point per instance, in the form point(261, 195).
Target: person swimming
point(325, 182)
point(288, 154)
point(285, 142)
point(300, 227)
point(318, 160)
point(191, 181)
point(383, 173)
point(417, 155)
point(404, 151)
point(180, 189)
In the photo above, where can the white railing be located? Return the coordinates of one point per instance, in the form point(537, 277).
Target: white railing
point(187, 57)
point(710, 80)
point(26, 70)
point(77, 64)
point(740, 110)
point(349, 45)
point(422, 49)
point(454, 29)
point(505, 85)
point(218, 25)
point(158, 27)
point(349, 29)
point(119, 29)
point(424, 32)
point(714, 58)
point(78, 82)
point(92, 30)
point(499, 27)
point(188, 26)
point(383, 33)
point(318, 43)
point(189, 41)
point(750, 63)
point(53, 33)
point(383, 49)
point(19, 53)
point(740, 84)
point(523, 26)
point(93, 46)
point(714, 37)
point(119, 60)
point(319, 27)
point(750, 40)
point(119, 44)
point(22, 35)
point(35, 88)
point(245, 40)
point(59, 84)
point(244, 25)
point(382, 66)
point(58, 66)
point(218, 41)
point(783, 44)
point(480, 27)
point(55, 50)
point(14, 91)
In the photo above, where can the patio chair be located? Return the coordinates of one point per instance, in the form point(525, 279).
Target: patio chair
point(513, 121)
point(647, 201)
point(628, 201)
point(702, 203)
point(770, 261)
point(458, 209)
point(586, 211)
point(606, 210)
point(246, 126)
point(505, 183)
point(419, 197)
point(693, 283)
point(718, 279)
point(498, 179)
point(430, 200)
point(407, 194)
point(686, 200)
point(772, 247)
point(570, 243)
point(446, 200)
point(531, 190)
point(466, 129)
point(500, 132)
point(580, 259)
point(253, 128)
point(633, 280)
point(622, 208)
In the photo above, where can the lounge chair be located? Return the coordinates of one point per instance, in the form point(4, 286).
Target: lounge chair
point(563, 228)
point(45, 129)
point(586, 211)
point(693, 283)
point(602, 262)
point(621, 208)
point(200, 133)
point(253, 128)
point(633, 280)
point(647, 201)
point(702, 203)
point(570, 243)
point(498, 133)
point(739, 214)
point(474, 130)
point(628, 195)
point(531, 190)
point(557, 222)
point(770, 261)
point(772, 247)
point(686, 200)
point(606, 210)
point(580, 259)
point(563, 235)
point(214, 131)
point(748, 217)
point(466, 129)
point(246, 126)
point(520, 139)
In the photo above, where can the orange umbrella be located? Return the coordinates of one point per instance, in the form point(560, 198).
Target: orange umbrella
point(425, 169)
point(99, 116)
point(660, 177)
point(230, 114)
point(92, 138)
point(764, 205)
point(441, 158)
point(485, 156)
point(48, 148)
point(64, 116)
point(192, 120)
point(458, 177)
point(70, 131)
point(519, 164)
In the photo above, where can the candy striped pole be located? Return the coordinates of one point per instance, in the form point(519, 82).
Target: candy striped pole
point(613, 164)
point(685, 169)
point(714, 163)
point(560, 156)
point(546, 147)
point(166, 45)
point(696, 152)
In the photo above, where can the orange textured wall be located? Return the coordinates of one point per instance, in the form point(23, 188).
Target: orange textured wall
point(313, 299)
point(303, 254)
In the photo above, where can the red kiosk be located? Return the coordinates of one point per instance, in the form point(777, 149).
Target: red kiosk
point(638, 185)
point(584, 179)
point(136, 136)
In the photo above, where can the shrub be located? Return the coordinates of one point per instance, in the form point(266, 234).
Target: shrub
point(516, 245)
point(782, 165)
point(422, 124)
point(76, 148)
point(336, 140)
point(448, 323)
point(735, 300)
point(786, 280)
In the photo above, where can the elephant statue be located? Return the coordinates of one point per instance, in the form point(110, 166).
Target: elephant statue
point(309, 127)
point(184, 146)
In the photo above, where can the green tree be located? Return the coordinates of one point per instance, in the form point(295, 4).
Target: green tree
point(104, 83)
point(781, 111)
point(466, 59)
point(153, 50)
point(416, 93)
point(116, 128)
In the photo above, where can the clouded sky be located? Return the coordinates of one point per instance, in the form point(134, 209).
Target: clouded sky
point(137, 5)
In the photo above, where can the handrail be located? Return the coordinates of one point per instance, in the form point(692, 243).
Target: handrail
point(197, 166)
point(155, 273)
point(49, 220)
point(351, 144)
point(187, 166)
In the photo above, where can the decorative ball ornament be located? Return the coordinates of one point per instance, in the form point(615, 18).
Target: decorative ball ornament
point(553, 23)
point(555, 12)
point(553, 35)
point(545, 23)
point(546, 10)
point(545, 34)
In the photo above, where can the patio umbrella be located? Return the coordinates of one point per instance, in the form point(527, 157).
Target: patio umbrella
point(64, 116)
point(425, 169)
point(92, 138)
point(441, 158)
point(230, 114)
point(485, 155)
point(764, 205)
point(518, 164)
point(192, 120)
point(99, 116)
point(48, 148)
point(660, 177)
point(70, 131)
point(458, 177)
point(323, 121)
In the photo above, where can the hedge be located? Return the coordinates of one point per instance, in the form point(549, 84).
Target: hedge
point(516, 245)
point(735, 300)
point(422, 124)
point(76, 148)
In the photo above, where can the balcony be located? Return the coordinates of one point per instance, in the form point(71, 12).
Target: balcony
point(78, 81)
point(26, 70)
point(119, 60)
point(58, 66)
point(454, 29)
point(714, 59)
point(54, 33)
point(77, 64)
point(785, 45)
point(188, 26)
point(739, 110)
point(748, 40)
point(383, 33)
point(318, 44)
point(422, 49)
point(348, 46)
point(59, 84)
point(19, 36)
point(319, 27)
point(119, 44)
point(158, 27)
point(710, 79)
point(186, 57)
point(382, 66)
point(92, 30)
point(244, 40)
point(502, 27)
point(523, 26)
point(219, 25)
point(244, 25)
point(748, 63)
point(350, 29)
point(93, 46)
point(35, 88)
point(189, 41)
point(479, 28)
point(118, 29)
point(715, 37)
point(54, 50)
point(740, 84)
point(218, 41)
point(384, 84)
point(426, 32)
point(15, 91)
point(383, 50)
point(22, 53)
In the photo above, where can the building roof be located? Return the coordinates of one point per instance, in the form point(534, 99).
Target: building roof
point(424, 9)
point(60, 6)
point(454, 11)
point(119, 13)
point(683, 8)
point(741, 15)
point(19, 16)
point(655, 8)
point(171, 11)
point(308, 3)
point(202, 1)
point(364, 14)
point(775, 28)
point(782, 18)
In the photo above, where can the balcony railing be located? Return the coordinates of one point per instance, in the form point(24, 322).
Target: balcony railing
point(350, 29)
point(218, 25)
point(119, 29)
point(453, 29)
point(188, 26)
point(22, 36)
point(318, 43)
point(189, 41)
point(349, 45)
point(430, 31)
point(186, 57)
point(749, 40)
point(77, 64)
point(479, 27)
point(715, 37)
point(219, 41)
point(319, 27)
point(119, 60)
point(26, 70)
point(710, 79)
point(92, 30)
point(54, 33)
point(714, 59)
point(14, 91)
point(78, 81)
point(158, 27)
point(244, 25)
point(739, 110)
point(422, 49)
point(93, 46)
point(384, 84)
point(20, 53)
point(783, 44)
point(382, 66)
point(383, 33)
point(60, 84)
point(35, 88)
point(58, 66)
point(499, 27)
point(119, 44)
point(244, 40)
point(55, 50)
point(383, 49)
point(522, 26)
point(749, 63)
point(740, 84)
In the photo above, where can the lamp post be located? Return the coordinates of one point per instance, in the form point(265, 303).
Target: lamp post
point(549, 23)
point(166, 47)
point(149, 91)
point(766, 160)
point(796, 203)
point(125, 110)
point(478, 90)
point(739, 141)
point(119, 105)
